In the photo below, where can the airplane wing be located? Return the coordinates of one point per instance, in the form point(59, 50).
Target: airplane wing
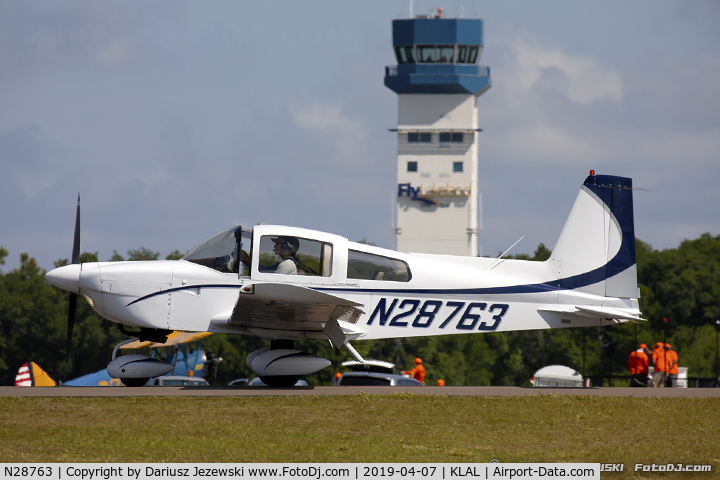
point(593, 311)
point(283, 307)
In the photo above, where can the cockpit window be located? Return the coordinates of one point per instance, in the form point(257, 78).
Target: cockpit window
point(220, 252)
point(366, 266)
point(290, 255)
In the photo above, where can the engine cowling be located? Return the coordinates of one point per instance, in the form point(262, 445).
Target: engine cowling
point(265, 362)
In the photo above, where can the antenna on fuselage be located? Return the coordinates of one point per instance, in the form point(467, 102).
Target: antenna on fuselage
point(506, 251)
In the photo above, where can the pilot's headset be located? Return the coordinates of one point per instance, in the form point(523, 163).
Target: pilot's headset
point(289, 243)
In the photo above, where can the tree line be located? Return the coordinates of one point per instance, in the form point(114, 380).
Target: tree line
point(681, 285)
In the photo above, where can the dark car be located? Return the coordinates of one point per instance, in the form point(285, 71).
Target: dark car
point(377, 379)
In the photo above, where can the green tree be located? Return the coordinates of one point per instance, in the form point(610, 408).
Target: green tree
point(85, 257)
point(142, 253)
point(682, 285)
point(541, 254)
point(174, 255)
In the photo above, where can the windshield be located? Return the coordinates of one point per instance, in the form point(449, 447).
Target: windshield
point(220, 252)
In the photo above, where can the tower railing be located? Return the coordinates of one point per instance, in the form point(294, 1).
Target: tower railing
point(446, 69)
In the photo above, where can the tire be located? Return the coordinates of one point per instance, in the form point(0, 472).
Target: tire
point(280, 381)
point(134, 382)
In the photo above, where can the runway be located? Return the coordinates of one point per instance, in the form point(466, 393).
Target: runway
point(226, 391)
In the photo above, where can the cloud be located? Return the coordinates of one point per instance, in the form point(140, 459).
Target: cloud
point(586, 81)
point(539, 142)
point(117, 53)
point(320, 118)
point(108, 37)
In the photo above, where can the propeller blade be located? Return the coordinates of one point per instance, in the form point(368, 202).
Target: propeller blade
point(72, 302)
point(76, 240)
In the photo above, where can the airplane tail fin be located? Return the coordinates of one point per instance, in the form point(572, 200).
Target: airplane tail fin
point(31, 375)
point(596, 249)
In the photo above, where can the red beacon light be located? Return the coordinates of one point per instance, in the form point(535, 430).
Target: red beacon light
point(592, 172)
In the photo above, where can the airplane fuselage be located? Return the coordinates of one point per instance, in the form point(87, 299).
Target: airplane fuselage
point(284, 283)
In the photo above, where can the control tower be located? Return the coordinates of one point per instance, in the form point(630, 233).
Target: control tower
point(438, 82)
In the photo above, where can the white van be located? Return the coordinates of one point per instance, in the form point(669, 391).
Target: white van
point(557, 376)
point(171, 381)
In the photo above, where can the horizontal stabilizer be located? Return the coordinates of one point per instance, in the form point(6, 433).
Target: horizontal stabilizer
point(593, 311)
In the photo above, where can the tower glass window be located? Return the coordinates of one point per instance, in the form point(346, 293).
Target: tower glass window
point(436, 54)
point(412, 166)
point(427, 54)
point(401, 55)
point(413, 137)
point(472, 54)
point(462, 54)
point(444, 137)
point(405, 54)
point(446, 54)
point(425, 137)
point(457, 167)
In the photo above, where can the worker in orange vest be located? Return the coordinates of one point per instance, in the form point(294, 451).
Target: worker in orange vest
point(658, 357)
point(418, 372)
point(441, 382)
point(671, 361)
point(638, 363)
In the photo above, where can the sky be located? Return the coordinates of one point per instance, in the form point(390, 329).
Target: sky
point(177, 119)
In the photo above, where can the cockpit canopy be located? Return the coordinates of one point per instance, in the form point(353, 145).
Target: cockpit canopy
point(220, 251)
point(277, 250)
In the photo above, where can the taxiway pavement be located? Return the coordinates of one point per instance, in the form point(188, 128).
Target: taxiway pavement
point(227, 391)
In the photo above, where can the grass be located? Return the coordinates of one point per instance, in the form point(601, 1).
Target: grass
point(363, 428)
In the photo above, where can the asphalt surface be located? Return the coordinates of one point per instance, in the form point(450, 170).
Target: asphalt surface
point(226, 391)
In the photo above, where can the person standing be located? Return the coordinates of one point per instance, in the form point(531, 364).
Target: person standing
point(660, 373)
point(418, 372)
point(638, 363)
point(671, 361)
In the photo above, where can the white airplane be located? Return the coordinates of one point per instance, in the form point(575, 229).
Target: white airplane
point(297, 283)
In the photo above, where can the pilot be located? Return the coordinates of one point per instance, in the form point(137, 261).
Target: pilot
point(284, 247)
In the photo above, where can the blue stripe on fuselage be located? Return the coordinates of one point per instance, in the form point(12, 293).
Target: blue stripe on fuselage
point(615, 192)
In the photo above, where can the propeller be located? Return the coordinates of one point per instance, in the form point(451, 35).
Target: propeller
point(72, 303)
